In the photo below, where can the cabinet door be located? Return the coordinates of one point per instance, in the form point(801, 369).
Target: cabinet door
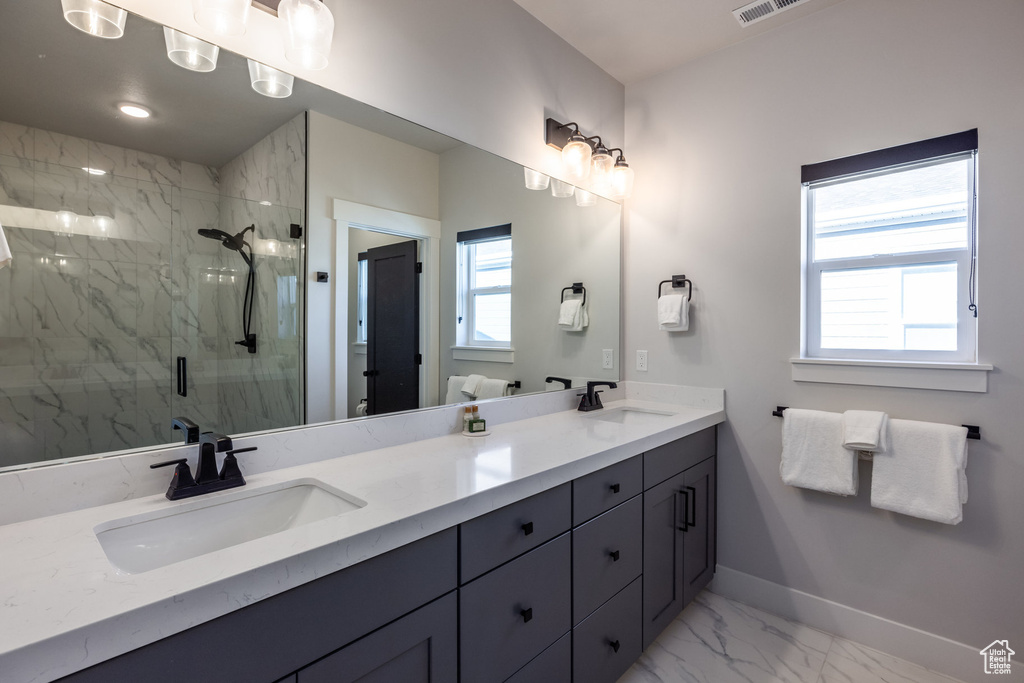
point(663, 556)
point(699, 538)
point(421, 647)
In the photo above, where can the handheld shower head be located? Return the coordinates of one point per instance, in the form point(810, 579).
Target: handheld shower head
point(238, 243)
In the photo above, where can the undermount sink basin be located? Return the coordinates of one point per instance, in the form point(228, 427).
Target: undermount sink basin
point(631, 416)
point(143, 542)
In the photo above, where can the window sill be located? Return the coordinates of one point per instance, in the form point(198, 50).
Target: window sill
point(359, 348)
point(487, 354)
point(972, 377)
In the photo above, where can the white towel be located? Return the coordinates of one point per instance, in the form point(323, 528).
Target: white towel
point(492, 388)
point(673, 313)
point(813, 456)
point(573, 316)
point(924, 472)
point(865, 430)
point(5, 251)
point(472, 386)
point(455, 384)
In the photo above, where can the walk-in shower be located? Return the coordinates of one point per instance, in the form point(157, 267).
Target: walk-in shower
point(238, 243)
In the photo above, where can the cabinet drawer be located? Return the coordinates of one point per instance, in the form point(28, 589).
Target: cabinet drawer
point(512, 614)
point(666, 461)
point(607, 643)
point(554, 665)
point(508, 532)
point(607, 553)
point(604, 489)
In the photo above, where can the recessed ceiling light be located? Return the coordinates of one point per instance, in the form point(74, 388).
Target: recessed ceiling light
point(94, 171)
point(135, 111)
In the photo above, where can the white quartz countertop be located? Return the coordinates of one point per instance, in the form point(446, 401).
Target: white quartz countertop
point(65, 607)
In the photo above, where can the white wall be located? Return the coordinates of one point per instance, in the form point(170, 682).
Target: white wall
point(718, 146)
point(350, 163)
point(554, 244)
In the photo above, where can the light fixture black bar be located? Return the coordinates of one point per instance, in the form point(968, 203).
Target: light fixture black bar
point(893, 156)
point(973, 431)
point(480, 234)
point(557, 134)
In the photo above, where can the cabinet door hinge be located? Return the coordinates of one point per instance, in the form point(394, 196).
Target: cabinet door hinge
point(419, 267)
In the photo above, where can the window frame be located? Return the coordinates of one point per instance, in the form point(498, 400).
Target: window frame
point(874, 164)
point(467, 290)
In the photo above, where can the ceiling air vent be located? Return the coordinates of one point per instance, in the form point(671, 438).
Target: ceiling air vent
point(762, 9)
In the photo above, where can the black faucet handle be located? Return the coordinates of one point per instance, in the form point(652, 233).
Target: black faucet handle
point(230, 470)
point(186, 425)
point(181, 480)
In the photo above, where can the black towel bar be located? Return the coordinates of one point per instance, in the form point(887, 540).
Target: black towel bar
point(973, 431)
point(678, 281)
point(576, 288)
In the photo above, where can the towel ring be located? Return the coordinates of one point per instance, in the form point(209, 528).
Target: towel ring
point(577, 288)
point(678, 281)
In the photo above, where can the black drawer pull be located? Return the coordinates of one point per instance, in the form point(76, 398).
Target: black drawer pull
point(615, 645)
point(692, 500)
point(615, 555)
point(526, 614)
point(527, 530)
point(615, 488)
point(686, 506)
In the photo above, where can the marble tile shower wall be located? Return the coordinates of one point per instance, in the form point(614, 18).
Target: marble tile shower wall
point(91, 322)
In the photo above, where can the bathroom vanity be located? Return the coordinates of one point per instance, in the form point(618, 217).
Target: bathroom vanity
point(558, 550)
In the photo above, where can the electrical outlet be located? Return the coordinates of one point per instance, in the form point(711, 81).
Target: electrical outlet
point(641, 360)
point(607, 359)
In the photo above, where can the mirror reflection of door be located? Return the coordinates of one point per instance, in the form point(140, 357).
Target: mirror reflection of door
point(392, 328)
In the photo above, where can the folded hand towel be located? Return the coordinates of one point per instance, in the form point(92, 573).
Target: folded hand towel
point(5, 250)
point(813, 456)
point(924, 472)
point(865, 430)
point(455, 384)
point(472, 386)
point(673, 313)
point(573, 316)
point(492, 388)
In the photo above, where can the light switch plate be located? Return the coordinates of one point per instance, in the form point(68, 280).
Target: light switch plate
point(641, 360)
point(607, 359)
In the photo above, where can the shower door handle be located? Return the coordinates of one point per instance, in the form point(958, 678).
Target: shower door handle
point(182, 376)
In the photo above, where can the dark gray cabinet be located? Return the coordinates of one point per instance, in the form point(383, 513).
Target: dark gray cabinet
point(679, 528)
point(554, 665)
point(421, 647)
point(607, 642)
point(607, 553)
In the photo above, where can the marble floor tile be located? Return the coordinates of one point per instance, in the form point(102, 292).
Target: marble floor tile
point(849, 662)
point(717, 640)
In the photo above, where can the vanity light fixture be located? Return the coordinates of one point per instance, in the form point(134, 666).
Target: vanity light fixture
point(66, 220)
point(135, 111)
point(614, 178)
point(561, 189)
point(103, 226)
point(189, 52)
point(269, 81)
point(308, 31)
point(584, 198)
point(535, 180)
point(223, 17)
point(95, 17)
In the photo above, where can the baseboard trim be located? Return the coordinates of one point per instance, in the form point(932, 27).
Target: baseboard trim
point(926, 649)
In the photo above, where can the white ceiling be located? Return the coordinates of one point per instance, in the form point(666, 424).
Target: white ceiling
point(634, 39)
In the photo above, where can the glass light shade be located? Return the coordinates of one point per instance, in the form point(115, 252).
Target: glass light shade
point(223, 17)
point(65, 221)
point(308, 31)
point(601, 164)
point(622, 181)
point(535, 180)
point(584, 198)
point(576, 159)
point(561, 189)
point(270, 82)
point(103, 226)
point(95, 17)
point(189, 52)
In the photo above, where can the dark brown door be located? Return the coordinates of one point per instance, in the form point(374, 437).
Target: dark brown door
point(392, 329)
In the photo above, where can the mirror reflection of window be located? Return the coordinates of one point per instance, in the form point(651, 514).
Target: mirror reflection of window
point(485, 288)
point(361, 294)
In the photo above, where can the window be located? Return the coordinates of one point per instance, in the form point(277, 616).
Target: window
point(484, 316)
point(890, 254)
point(362, 294)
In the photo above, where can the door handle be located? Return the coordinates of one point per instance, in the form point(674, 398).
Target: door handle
point(182, 376)
point(692, 499)
point(686, 506)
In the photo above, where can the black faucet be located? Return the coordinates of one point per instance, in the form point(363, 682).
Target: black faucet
point(567, 383)
point(592, 399)
point(207, 479)
point(190, 428)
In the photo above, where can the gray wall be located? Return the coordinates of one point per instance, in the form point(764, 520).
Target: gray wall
point(718, 145)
